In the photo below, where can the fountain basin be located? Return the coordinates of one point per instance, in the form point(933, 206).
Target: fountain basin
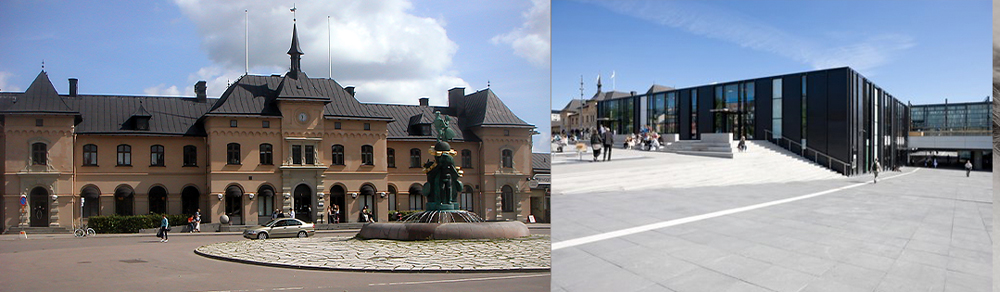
point(433, 231)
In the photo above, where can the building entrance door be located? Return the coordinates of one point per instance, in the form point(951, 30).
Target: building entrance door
point(337, 199)
point(234, 205)
point(189, 200)
point(303, 203)
point(39, 207)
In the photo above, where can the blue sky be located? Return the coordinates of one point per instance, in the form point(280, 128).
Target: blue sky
point(919, 51)
point(394, 51)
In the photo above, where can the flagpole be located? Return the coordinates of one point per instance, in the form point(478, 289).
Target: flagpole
point(246, 39)
point(329, 45)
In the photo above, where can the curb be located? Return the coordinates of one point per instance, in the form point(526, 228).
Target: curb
point(358, 270)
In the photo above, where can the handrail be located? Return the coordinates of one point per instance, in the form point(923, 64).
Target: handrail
point(802, 151)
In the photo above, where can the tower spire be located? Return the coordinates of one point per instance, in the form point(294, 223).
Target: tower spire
point(295, 52)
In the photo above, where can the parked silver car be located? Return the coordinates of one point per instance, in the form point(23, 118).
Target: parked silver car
point(281, 227)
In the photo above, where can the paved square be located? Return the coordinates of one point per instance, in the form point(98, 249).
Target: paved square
point(916, 230)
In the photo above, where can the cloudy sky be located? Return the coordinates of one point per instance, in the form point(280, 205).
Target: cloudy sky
point(393, 51)
point(919, 51)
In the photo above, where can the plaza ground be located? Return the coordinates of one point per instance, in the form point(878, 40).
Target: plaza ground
point(142, 263)
point(667, 222)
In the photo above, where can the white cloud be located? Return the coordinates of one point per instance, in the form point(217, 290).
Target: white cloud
point(162, 90)
point(374, 43)
point(532, 40)
point(711, 21)
point(4, 85)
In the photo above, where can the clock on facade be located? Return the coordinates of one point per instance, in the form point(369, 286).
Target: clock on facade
point(303, 117)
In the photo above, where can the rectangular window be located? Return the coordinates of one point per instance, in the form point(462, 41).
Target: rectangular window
point(336, 125)
point(694, 114)
point(296, 154)
point(776, 107)
point(670, 114)
point(232, 123)
point(124, 155)
point(38, 153)
point(748, 109)
point(805, 101)
point(39, 122)
point(190, 155)
point(310, 154)
point(368, 126)
point(506, 132)
point(265, 124)
point(90, 155)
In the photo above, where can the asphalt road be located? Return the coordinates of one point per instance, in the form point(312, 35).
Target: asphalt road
point(133, 263)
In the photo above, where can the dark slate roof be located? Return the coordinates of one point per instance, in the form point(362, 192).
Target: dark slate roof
point(420, 118)
point(659, 88)
point(258, 95)
point(573, 106)
point(541, 161)
point(107, 114)
point(41, 97)
point(600, 95)
point(484, 108)
point(400, 130)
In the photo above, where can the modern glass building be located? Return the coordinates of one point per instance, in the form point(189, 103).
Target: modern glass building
point(951, 134)
point(836, 117)
point(949, 119)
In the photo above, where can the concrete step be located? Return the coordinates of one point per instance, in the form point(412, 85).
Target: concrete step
point(38, 230)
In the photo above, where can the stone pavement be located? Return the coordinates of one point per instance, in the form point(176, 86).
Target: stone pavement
point(928, 230)
point(346, 253)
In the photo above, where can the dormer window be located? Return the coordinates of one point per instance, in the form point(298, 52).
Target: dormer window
point(425, 130)
point(142, 123)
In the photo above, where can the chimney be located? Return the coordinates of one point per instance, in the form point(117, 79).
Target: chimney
point(425, 101)
point(72, 87)
point(200, 89)
point(456, 100)
point(350, 89)
point(633, 93)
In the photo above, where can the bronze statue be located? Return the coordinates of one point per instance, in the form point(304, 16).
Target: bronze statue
point(443, 185)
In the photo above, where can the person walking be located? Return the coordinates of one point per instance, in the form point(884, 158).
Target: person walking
point(291, 213)
point(596, 144)
point(968, 168)
point(274, 215)
point(875, 168)
point(197, 221)
point(164, 227)
point(609, 140)
point(336, 214)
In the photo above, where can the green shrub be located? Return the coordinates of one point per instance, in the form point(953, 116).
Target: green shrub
point(132, 224)
point(392, 214)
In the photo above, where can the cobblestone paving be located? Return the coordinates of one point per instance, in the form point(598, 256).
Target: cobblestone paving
point(346, 253)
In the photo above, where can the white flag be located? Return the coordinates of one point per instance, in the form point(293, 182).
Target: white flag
point(612, 74)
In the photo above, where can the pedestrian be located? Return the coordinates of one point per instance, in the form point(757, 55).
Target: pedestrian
point(609, 140)
point(875, 168)
point(935, 162)
point(275, 214)
point(291, 213)
point(164, 227)
point(742, 146)
point(363, 217)
point(197, 221)
point(191, 224)
point(596, 144)
point(968, 168)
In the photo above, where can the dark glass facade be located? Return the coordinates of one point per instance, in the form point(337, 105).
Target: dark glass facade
point(951, 118)
point(835, 117)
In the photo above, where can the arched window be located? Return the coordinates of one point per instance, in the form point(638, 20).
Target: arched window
point(392, 198)
point(91, 198)
point(90, 155)
point(39, 153)
point(124, 198)
point(190, 155)
point(390, 157)
point(156, 155)
point(367, 198)
point(338, 154)
point(466, 201)
point(416, 199)
point(158, 200)
point(233, 153)
point(124, 155)
point(265, 201)
point(266, 155)
point(414, 158)
point(507, 196)
point(367, 155)
point(466, 158)
point(507, 158)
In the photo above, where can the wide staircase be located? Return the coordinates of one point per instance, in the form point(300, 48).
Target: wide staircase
point(772, 160)
point(717, 145)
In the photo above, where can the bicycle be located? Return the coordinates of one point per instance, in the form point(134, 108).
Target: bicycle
point(84, 231)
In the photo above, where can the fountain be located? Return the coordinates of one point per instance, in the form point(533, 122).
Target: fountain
point(443, 219)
